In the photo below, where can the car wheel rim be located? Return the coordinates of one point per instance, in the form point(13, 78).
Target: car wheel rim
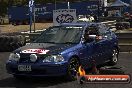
point(115, 59)
point(73, 67)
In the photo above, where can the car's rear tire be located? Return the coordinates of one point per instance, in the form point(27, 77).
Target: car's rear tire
point(72, 69)
point(114, 58)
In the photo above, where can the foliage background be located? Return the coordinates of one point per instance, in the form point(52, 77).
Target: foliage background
point(4, 4)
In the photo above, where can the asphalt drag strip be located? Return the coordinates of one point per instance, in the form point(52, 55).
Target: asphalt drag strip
point(7, 80)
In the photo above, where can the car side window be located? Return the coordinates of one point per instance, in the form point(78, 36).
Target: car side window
point(108, 33)
point(105, 32)
point(90, 31)
point(102, 29)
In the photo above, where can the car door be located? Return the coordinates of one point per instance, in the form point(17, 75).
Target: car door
point(95, 52)
point(92, 51)
point(104, 50)
point(86, 54)
point(89, 52)
point(96, 46)
point(104, 43)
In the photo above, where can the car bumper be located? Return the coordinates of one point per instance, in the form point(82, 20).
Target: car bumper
point(38, 69)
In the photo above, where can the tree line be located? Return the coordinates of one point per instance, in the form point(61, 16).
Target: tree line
point(4, 4)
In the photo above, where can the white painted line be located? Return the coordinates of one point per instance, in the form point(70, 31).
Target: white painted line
point(26, 36)
point(126, 52)
point(113, 29)
point(113, 26)
point(108, 22)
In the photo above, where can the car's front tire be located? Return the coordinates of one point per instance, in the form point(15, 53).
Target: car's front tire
point(114, 58)
point(73, 66)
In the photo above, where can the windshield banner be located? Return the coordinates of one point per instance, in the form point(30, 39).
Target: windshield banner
point(37, 51)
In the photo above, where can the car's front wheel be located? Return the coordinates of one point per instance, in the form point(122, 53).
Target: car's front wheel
point(73, 68)
point(114, 58)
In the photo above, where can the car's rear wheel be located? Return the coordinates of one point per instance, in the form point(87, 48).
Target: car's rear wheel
point(114, 59)
point(73, 68)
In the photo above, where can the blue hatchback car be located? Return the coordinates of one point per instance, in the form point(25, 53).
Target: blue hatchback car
point(60, 50)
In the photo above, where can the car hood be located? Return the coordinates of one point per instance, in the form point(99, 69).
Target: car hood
point(43, 48)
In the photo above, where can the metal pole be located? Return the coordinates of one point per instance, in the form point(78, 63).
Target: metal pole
point(68, 5)
point(98, 8)
point(55, 4)
point(31, 3)
point(131, 6)
point(34, 19)
point(105, 3)
point(30, 22)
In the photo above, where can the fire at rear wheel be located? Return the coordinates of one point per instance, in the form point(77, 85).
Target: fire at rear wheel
point(73, 69)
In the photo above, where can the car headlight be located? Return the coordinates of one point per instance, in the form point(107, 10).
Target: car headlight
point(33, 57)
point(54, 58)
point(14, 57)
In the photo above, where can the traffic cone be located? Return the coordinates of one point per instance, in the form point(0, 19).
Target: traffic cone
point(94, 68)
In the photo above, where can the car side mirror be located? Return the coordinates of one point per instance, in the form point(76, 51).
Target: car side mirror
point(92, 36)
point(98, 38)
point(90, 39)
point(95, 37)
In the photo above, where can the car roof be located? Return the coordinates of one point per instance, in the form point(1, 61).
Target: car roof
point(81, 24)
point(73, 24)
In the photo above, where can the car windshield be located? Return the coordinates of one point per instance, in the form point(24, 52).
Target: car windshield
point(61, 34)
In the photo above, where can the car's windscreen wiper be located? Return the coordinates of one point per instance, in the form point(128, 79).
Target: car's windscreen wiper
point(69, 43)
point(48, 42)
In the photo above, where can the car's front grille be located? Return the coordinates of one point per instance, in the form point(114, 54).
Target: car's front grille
point(27, 60)
point(24, 60)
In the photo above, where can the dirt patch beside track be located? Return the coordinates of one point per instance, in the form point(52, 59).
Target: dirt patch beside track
point(19, 28)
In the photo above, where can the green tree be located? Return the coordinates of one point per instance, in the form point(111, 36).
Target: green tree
point(3, 7)
point(4, 4)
